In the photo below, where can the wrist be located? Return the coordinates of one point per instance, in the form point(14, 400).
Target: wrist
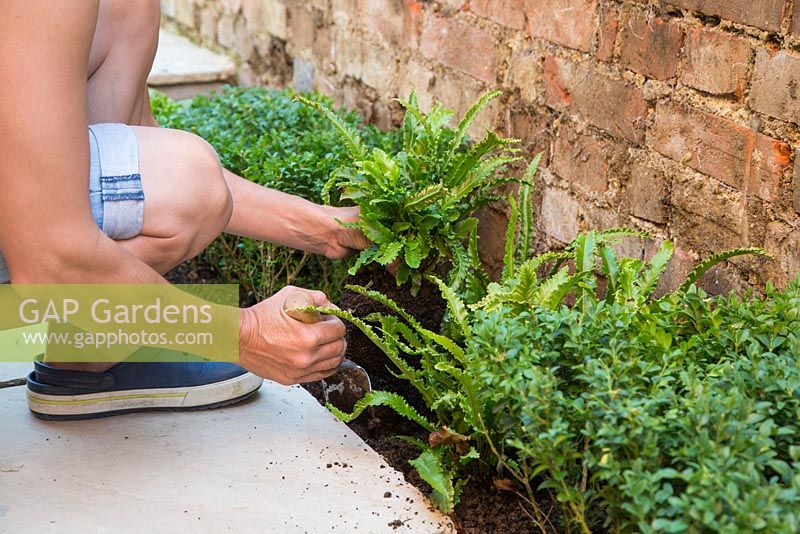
point(247, 322)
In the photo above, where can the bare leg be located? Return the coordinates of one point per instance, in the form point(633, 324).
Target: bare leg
point(123, 48)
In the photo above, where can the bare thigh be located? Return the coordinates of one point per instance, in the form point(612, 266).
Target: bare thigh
point(123, 48)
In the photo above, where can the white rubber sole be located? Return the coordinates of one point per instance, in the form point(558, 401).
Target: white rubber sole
point(114, 402)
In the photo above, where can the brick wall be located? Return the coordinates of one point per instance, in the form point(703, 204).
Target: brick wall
point(676, 116)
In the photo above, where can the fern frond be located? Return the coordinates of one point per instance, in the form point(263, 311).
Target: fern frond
point(657, 266)
point(525, 221)
point(384, 398)
point(511, 240)
point(468, 119)
point(711, 261)
point(352, 139)
point(425, 197)
point(458, 311)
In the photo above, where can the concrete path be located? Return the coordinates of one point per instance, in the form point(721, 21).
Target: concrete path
point(182, 69)
point(278, 464)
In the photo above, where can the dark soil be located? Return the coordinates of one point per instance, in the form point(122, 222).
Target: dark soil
point(482, 508)
point(427, 307)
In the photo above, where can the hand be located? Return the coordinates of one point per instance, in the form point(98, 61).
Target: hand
point(344, 241)
point(275, 346)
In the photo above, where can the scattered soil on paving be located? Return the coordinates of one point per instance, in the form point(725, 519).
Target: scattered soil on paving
point(427, 306)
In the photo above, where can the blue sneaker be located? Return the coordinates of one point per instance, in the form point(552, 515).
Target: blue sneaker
point(60, 394)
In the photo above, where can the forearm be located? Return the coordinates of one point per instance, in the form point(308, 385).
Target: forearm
point(269, 215)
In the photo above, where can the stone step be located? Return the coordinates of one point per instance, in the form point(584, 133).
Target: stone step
point(182, 69)
point(279, 463)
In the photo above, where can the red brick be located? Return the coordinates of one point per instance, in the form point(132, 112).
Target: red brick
point(716, 62)
point(506, 12)
point(764, 14)
point(720, 148)
point(466, 48)
point(399, 21)
point(582, 160)
point(606, 37)
point(651, 45)
point(613, 105)
point(568, 22)
point(775, 89)
point(646, 193)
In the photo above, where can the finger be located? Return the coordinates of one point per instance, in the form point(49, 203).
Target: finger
point(322, 366)
point(335, 349)
point(316, 377)
point(329, 330)
point(319, 298)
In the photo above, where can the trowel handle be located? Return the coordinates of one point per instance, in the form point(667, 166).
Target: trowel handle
point(293, 307)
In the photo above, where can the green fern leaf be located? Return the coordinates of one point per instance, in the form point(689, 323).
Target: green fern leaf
point(430, 466)
point(458, 310)
point(352, 139)
point(511, 240)
point(657, 266)
point(425, 197)
point(384, 398)
point(468, 119)
point(711, 261)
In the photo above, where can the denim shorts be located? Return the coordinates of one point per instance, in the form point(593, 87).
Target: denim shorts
point(115, 185)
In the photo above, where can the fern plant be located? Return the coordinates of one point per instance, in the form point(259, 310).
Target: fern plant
point(466, 426)
point(417, 204)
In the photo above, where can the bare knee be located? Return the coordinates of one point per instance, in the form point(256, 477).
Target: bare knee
point(204, 210)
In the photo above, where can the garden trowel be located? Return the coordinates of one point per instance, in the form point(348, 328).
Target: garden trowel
point(350, 383)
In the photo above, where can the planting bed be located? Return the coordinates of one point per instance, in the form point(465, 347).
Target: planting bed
point(565, 396)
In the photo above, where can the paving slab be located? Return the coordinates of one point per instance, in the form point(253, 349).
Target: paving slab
point(182, 69)
point(279, 463)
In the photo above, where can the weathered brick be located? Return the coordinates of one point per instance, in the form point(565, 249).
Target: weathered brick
point(231, 6)
point(783, 243)
point(678, 268)
point(613, 105)
point(226, 34)
point(301, 22)
point(651, 45)
point(349, 54)
point(243, 44)
point(796, 20)
point(607, 35)
point(522, 73)
point(796, 182)
point(716, 62)
point(646, 194)
point(568, 22)
point(274, 18)
point(347, 9)
point(709, 199)
point(775, 89)
point(419, 78)
point(703, 235)
point(582, 160)
point(184, 12)
point(509, 13)
point(208, 24)
point(379, 68)
point(398, 21)
point(764, 14)
point(533, 129)
point(720, 148)
point(560, 213)
point(463, 47)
